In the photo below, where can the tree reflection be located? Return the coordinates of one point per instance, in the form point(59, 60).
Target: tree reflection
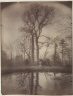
point(28, 83)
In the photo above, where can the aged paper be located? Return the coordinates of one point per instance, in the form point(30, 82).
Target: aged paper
point(36, 48)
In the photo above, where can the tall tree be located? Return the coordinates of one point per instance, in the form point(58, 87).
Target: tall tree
point(63, 44)
point(24, 45)
point(10, 49)
point(55, 52)
point(35, 18)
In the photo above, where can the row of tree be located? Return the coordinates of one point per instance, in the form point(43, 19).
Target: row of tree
point(24, 55)
point(27, 48)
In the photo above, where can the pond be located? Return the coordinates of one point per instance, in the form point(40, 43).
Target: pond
point(40, 83)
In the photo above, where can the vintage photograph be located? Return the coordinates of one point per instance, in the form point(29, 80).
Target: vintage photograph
point(36, 48)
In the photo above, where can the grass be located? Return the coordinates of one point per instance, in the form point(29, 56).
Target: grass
point(57, 69)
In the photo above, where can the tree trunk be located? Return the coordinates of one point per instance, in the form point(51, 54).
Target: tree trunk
point(37, 75)
point(37, 50)
point(29, 57)
point(24, 54)
point(55, 56)
point(62, 54)
point(32, 49)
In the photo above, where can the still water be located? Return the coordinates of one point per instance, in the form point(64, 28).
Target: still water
point(48, 83)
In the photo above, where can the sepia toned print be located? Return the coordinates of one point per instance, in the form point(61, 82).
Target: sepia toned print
point(36, 48)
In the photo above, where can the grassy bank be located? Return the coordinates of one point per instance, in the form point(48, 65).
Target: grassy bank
point(57, 69)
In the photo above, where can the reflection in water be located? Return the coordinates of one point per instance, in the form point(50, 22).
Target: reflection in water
point(37, 83)
point(23, 82)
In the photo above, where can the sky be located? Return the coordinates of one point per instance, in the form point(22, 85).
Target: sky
point(60, 25)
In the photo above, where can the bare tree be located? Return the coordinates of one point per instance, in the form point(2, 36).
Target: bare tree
point(10, 50)
point(53, 41)
point(24, 45)
point(35, 18)
point(55, 52)
point(64, 45)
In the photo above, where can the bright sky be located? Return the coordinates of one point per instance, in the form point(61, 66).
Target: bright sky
point(12, 21)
